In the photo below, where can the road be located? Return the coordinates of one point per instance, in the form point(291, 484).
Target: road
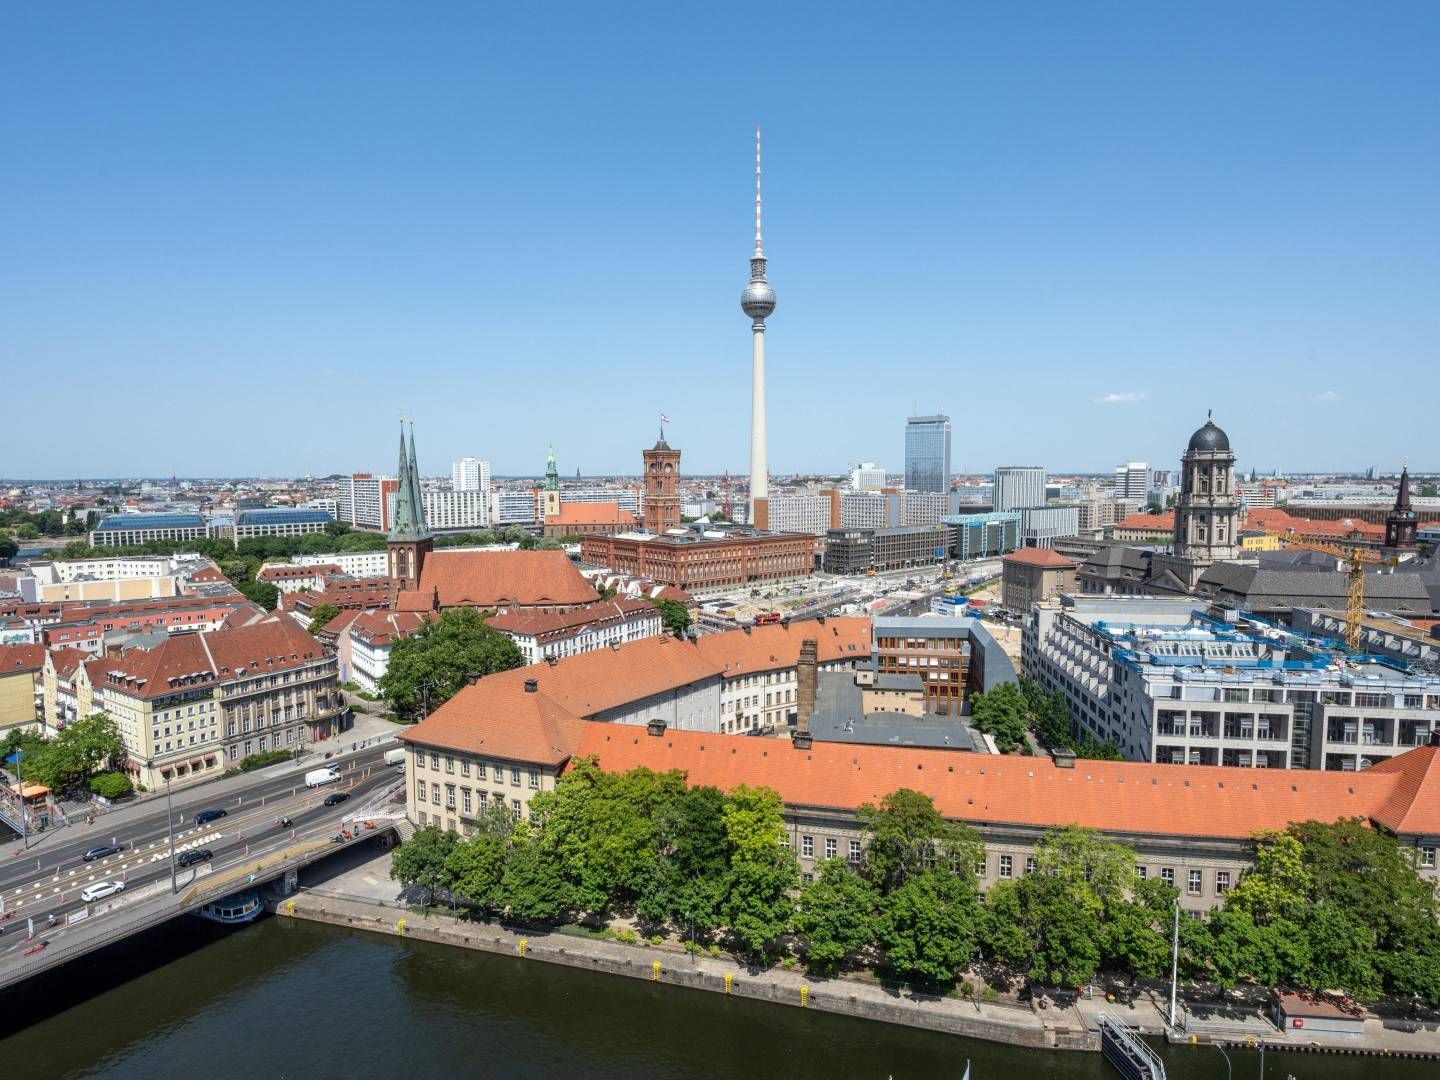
point(50, 883)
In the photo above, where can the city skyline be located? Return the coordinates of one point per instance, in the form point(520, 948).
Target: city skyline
point(951, 237)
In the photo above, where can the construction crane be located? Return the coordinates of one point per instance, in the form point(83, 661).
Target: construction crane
point(1358, 558)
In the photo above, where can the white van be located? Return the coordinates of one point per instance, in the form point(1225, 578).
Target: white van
point(395, 757)
point(319, 777)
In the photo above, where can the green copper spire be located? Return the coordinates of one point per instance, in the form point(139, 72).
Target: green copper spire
point(552, 473)
point(409, 520)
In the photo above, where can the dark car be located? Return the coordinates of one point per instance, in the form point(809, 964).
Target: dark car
point(190, 858)
point(208, 815)
point(101, 851)
point(335, 798)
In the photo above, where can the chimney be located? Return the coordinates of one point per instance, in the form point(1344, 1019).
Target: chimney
point(747, 629)
point(532, 686)
point(552, 659)
point(806, 674)
point(1435, 736)
point(472, 678)
point(1064, 759)
point(801, 740)
point(655, 727)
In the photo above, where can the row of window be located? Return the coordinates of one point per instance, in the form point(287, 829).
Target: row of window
point(482, 771)
point(469, 801)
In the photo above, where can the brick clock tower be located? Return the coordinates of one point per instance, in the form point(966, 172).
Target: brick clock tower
point(662, 486)
point(1401, 524)
point(409, 541)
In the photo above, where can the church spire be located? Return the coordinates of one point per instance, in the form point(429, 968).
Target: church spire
point(552, 472)
point(408, 522)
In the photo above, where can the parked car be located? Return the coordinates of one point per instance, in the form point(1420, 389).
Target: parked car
point(101, 851)
point(335, 798)
point(101, 889)
point(195, 855)
point(209, 815)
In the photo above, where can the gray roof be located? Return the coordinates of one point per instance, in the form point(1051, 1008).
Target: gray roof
point(899, 682)
point(1259, 587)
point(838, 717)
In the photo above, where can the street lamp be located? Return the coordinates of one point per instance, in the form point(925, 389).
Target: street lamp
point(170, 825)
point(1226, 1056)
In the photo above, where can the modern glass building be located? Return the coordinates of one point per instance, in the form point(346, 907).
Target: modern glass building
point(927, 453)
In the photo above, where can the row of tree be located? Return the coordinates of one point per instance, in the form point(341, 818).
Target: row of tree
point(1326, 906)
point(1007, 711)
point(84, 752)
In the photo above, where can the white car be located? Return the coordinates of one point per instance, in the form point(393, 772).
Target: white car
point(100, 890)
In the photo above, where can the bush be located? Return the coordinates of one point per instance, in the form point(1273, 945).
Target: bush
point(258, 761)
point(629, 937)
point(989, 993)
point(111, 785)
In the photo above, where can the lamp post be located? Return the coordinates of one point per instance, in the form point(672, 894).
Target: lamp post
point(1228, 1073)
point(20, 801)
point(170, 826)
point(1174, 961)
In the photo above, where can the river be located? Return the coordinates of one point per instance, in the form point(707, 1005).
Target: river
point(289, 999)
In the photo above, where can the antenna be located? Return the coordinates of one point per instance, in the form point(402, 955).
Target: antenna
point(757, 187)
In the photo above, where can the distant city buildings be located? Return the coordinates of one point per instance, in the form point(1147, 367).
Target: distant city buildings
point(277, 521)
point(364, 501)
point(867, 477)
point(927, 453)
point(130, 530)
point(1019, 487)
point(470, 474)
point(467, 508)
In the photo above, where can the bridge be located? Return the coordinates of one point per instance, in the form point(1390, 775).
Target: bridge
point(45, 922)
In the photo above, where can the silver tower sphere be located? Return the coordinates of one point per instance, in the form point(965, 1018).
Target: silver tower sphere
point(758, 299)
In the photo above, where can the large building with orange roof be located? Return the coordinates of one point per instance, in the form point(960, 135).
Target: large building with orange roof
point(507, 737)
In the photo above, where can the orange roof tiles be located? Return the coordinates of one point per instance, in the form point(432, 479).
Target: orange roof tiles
point(566, 623)
point(383, 627)
point(597, 513)
point(1116, 797)
point(1160, 522)
point(1414, 806)
point(504, 579)
point(1042, 557)
point(272, 645)
point(497, 720)
point(66, 661)
point(15, 658)
point(1273, 520)
point(767, 648)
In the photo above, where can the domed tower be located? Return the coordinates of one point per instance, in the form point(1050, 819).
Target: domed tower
point(1207, 509)
point(1401, 523)
point(758, 303)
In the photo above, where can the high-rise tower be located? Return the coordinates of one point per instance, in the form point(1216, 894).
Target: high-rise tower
point(662, 486)
point(758, 302)
point(409, 541)
point(1207, 510)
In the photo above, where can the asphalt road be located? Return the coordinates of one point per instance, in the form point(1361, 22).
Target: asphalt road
point(249, 828)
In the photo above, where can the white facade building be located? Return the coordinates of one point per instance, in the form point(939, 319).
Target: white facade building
point(469, 509)
point(1018, 487)
point(800, 513)
point(867, 476)
point(543, 636)
point(363, 501)
point(1132, 481)
point(355, 563)
point(1041, 526)
point(512, 508)
point(865, 510)
point(928, 507)
point(470, 474)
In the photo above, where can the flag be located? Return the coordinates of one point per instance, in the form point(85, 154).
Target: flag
point(664, 419)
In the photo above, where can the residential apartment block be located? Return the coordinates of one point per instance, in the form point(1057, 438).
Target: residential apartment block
point(547, 636)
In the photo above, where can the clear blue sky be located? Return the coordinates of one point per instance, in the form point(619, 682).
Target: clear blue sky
point(241, 238)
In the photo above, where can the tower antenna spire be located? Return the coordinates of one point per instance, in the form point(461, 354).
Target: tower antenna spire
point(757, 187)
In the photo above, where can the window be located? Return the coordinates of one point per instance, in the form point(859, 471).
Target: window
point(450, 796)
point(515, 808)
point(1196, 880)
point(829, 847)
point(1030, 864)
point(435, 794)
point(483, 797)
point(535, 778)
point(1167, 875)
point(854, 851)
point(1427, 857)
point(480, 770)
point(465, 800)
point(1006, 866)
point(464, 766)
point(807, 846)
point(449, 764)
point(1222, 882)
point(514, 777)
point(435, 762)
point(1142, 872)
point(980, 866)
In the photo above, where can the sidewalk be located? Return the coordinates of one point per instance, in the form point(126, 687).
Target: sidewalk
point(367, 732)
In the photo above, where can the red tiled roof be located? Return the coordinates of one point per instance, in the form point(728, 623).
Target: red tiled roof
point(287, 572)
point(1164, 523)
point(1280, 520)
point(1414, 806)
point(768, 648)
point(597, 513)
point(551, 624)
point(383, 627)
point(66, 661)
point(260, 648)
point(1116, 797)
point(504, 579)
point(15, 658)
point(1043, 557)
point(496, 719)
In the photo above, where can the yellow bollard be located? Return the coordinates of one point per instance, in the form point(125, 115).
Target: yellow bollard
point(804, 996)
point(289, 907)
point(523, 943)
point(655, 971)
point(728, 977)
point(400, 927)
point(1194, 1041)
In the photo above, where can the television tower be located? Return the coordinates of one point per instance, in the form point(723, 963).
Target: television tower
point(758, 302)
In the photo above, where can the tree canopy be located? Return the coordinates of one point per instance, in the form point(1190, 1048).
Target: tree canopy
point(321, 615)
point(431, 665)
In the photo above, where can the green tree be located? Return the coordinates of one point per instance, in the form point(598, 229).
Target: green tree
point(420, 862)
point(111, 785)
point(763, 870)
point(905, 836)
point(674, 616)
point(8, 548)
point(1000, 712)
point(321, 615)
point(83, 747)
point(476, 866)
point(685, 884)
point(838, 914)
point(930, 926)
point(260, 592)
point(439, 656)
point(27, 531)
point(531, 889)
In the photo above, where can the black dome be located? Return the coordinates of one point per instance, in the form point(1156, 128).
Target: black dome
point(1210, 438)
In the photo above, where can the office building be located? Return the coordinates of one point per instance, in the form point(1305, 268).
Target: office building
point(803, 513)
point(1019, 487)
point(693, 557)
point(1041, 526)
point(510, 507)
point(467, 508)
point(1132, 482)
point(470, 474)
point(277, 521)
point(858, 551)
point(979, 536)
point(927, 453)
point(364, 501)
point(1033, 574)
point(867, 476)
point(126, 530)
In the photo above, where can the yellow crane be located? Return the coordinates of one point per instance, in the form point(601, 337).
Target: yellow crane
point(1357, 557)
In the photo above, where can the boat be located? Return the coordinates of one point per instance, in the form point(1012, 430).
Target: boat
point(233, 910)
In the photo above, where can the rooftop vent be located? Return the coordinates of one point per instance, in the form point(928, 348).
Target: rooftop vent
point(473, 677)
point(801, 740)
point(655, 727)
point(531, 685)
point(1063, 759)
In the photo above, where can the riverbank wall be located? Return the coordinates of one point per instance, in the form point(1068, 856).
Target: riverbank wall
point(1061, 1030)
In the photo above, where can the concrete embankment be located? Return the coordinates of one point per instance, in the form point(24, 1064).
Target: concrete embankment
point(996, 1023)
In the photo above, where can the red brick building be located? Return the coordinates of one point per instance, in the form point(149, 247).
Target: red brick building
point(698, 560)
